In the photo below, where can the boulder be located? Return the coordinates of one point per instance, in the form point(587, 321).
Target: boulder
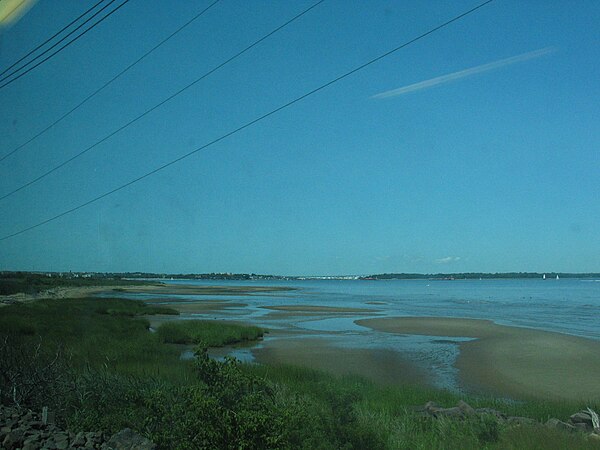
point(13, 440)
point(560, 425)
point(465, 408)
point(129, 440)
point(516, 420)
point(581, 417)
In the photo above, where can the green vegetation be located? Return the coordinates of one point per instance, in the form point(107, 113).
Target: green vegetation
point(94, 362)
point(212, 334)
point(33, 283)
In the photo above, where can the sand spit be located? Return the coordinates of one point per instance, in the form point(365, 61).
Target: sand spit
point(319, 309)
point(513, 361)
point(60, 292)
point(184, 289)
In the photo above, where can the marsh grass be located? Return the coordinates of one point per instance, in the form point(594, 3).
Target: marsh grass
point(100, 333)
point(114, 373)
point(389, 412)
point(209, 333)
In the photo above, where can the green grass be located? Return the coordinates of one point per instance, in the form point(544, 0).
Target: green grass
point(208, 333)
point(388, 411)
point(114, 373)
point(106, 333)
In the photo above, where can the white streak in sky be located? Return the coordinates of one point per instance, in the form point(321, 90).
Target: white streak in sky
point(465, 73)
point(447, 259)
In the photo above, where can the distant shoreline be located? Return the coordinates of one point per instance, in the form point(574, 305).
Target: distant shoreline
point(251, 277)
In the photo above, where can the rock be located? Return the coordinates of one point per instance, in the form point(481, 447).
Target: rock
point(583, 427)
point(129, 440)
point(492, 412)
point(581, 417)
point(465, 408)
point(560, 425)
point(432, 407)
point(13, 440)
point(61, 440)
point(78, 440)
point(453, 413)
point(31, 445)
point(516, 420)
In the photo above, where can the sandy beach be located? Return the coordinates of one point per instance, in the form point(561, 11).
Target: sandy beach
point(511, 361)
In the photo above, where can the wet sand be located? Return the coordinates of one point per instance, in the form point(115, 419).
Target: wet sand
point(319, 309)
point(60, 292)
point(183, 289)
point(511, 361)
point(379, 365)
point(159, 289)
point(197, 307)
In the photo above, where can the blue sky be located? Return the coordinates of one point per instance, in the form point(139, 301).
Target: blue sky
point(475, 149)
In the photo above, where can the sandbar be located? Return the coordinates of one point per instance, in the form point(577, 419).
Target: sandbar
point(511, 361)
point(379, 365)
point(197, 307)
point(319, 309)
point(59, 292)
point(185, 289)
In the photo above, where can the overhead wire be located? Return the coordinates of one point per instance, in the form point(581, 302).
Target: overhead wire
point(109, 82)
point(6, 83)
point(250, 123)
point(162, 102)
point(32, 51)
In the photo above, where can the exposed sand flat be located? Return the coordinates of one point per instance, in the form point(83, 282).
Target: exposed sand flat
point(383, 366)
point(197, 307)
point(161, 289)
point(184, 289)
point(59, 292)
point(319, 309)
point(513, 361)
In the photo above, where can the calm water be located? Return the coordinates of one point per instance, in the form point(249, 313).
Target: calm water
point(569, 306)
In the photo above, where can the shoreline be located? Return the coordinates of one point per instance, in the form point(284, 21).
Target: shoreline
point(500, 360)
point(504, 360)
point(156, 289)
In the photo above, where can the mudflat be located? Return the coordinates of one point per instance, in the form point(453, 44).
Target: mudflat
point(184, 289)
point(511, 361)
point(380, 365)
point(318, 309)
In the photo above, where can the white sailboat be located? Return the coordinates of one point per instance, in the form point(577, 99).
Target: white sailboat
point(544, 277)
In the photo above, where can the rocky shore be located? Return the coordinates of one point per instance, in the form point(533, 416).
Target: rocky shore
point(24, 429)
point(584, 421)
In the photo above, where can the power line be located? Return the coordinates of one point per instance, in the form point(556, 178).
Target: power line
point(18, 69)
point(249, 124)
point(49, 39)
point(113, 79)
point(64, 46)
point(158, 105)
